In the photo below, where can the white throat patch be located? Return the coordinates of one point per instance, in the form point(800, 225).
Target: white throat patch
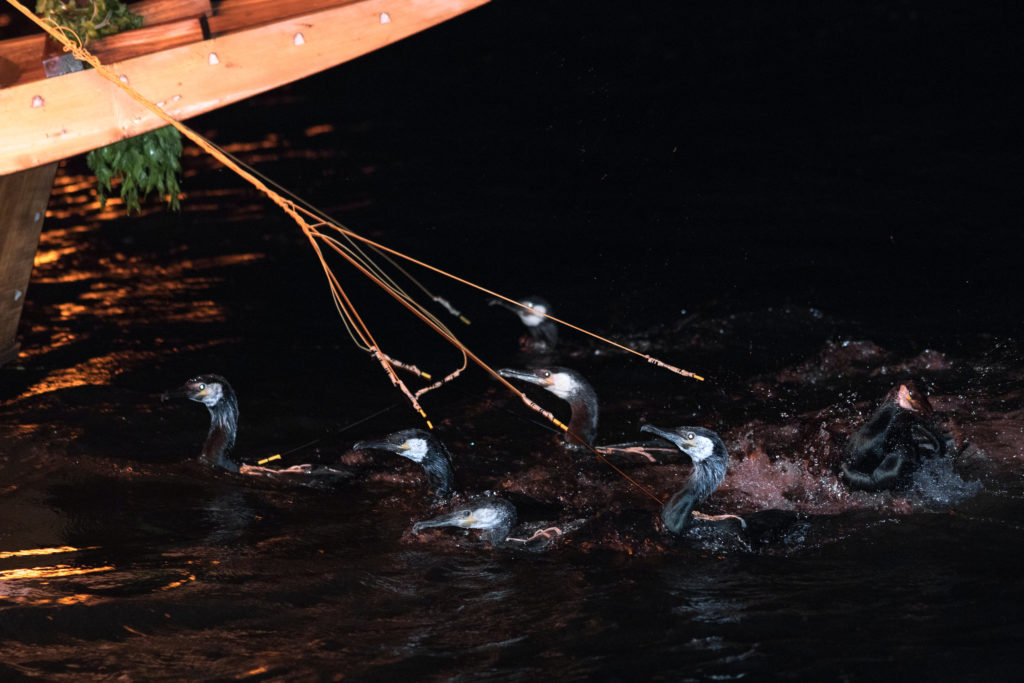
point(562, 385)
point(484, 518)
point(701, 449)
point(213, 394)
point(529, 318)
point(416, 450)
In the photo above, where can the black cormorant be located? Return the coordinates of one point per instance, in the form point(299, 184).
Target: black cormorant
point(893, 442)
point(421, 447)
point(710, 458)
point(569, 386)
point(542, 333)
point(496, 516)
point(216, 394)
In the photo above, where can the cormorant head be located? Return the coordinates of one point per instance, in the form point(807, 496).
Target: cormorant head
point(564, 383)
point(909, 397)
point(421, 447)
point(413, 444)
point(209, 390)
point(697, 442)
point(495, 515)
point(535, 317)
point(530, 318)
point(570, 386)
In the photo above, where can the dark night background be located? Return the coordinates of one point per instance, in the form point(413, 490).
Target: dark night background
point(862, 158)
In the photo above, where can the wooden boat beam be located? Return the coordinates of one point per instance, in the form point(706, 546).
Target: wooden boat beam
point(52, 119)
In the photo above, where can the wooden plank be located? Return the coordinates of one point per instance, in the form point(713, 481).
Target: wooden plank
point(23, 199)
point(161, 11)
point(22, 59)
point(144, 41)
point(235, 15)
point(49, 120)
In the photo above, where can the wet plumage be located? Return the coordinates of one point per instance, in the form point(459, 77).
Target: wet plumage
point(893, 443)
point(710, 458)
point(216, 394)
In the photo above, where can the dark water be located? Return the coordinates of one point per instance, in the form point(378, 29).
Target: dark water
point(805, 206)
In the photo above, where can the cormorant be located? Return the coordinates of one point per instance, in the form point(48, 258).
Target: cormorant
point(709, 457)
point(216, 394)
point(570, 386)
point(542, 333)
point(496, 516)
point(421, 447)
point(893, 442)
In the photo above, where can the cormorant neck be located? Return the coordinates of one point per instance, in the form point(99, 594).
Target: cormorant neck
point(440, 473)
point(545, 332)
point(583, 420)
point(706, 476)
point(221, 437)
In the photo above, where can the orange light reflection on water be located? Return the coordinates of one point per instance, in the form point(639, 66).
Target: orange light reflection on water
point(52, 572)
point(102, 369)
point(4, 554)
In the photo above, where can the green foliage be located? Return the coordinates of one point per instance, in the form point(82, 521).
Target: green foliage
point(97, 19)
point(145, 163)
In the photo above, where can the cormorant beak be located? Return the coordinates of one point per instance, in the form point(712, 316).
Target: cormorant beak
point(504, 304)
point(181, 392)
point(374, 445)
point(680, 442)
point(527, 376)
point(452, 519)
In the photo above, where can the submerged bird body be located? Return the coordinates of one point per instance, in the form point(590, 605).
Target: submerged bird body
point(710, 458)
point(216, 394)
point(892, 443)
point(570, 386)
point(421, 447)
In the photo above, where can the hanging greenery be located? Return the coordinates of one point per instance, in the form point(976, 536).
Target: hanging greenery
point(147, 163)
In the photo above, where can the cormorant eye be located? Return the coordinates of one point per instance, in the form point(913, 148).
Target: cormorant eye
point(466, 513)
point(690, 436)
point(546, 374)
point(202, 387)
